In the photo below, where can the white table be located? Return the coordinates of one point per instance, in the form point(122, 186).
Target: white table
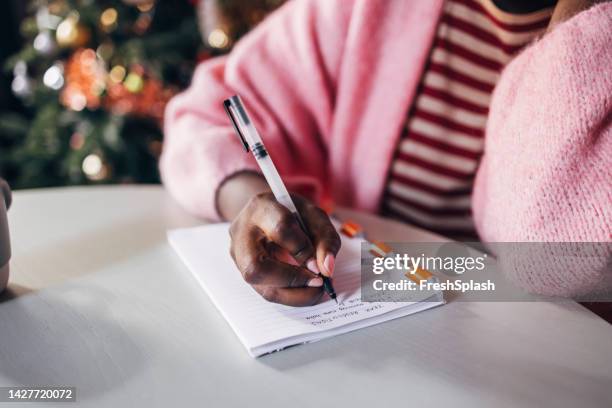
point(102, 303)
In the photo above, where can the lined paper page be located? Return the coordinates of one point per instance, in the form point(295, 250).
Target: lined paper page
point(257, 322)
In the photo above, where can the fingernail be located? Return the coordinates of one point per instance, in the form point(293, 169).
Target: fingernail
point(328, 265)
point(315, 282)
point(312, 266)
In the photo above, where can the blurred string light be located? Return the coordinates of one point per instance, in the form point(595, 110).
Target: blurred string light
point(108, 19)
point(70, 32)
point(54, 76)
point(22, 84)
point(218, 38)
point(77, 101)
point(92, 165)
point(94, 168)
point(134, 82)
point(117, 74)
point(146, 6)
point(21, 68)
point(44, 42)
point(66, 30)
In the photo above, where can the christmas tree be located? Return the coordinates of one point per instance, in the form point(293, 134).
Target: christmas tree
point(95, 77)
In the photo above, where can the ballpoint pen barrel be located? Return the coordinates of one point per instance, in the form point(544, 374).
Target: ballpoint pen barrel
point(278, 187)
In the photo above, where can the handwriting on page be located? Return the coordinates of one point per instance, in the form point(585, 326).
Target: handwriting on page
point(350, 309)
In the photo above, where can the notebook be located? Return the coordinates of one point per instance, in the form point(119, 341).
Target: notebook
point(265, 327)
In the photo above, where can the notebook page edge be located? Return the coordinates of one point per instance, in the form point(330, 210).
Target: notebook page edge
point(283, 344)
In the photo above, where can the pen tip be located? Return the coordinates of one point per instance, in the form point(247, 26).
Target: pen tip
point(336, 301)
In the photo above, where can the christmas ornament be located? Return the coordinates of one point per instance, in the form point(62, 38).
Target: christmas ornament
point(85, 78)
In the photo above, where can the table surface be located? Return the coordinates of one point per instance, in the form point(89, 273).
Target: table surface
point(99, 301)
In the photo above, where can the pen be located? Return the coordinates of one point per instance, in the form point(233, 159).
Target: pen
point(245, 129)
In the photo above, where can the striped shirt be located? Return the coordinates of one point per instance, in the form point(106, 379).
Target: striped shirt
point(431, 176)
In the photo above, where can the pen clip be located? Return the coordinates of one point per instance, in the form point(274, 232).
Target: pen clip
point(227, 105)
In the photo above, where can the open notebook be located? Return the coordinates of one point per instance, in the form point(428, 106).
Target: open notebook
point(264, 327)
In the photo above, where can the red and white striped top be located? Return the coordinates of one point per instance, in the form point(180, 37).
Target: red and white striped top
point(430, 179)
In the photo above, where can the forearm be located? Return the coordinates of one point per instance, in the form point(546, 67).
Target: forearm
point(237, 190)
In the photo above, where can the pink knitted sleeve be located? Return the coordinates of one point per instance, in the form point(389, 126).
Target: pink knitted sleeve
point(285, 72)
point(546, 174)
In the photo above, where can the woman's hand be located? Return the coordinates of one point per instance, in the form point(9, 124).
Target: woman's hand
point(276, 256)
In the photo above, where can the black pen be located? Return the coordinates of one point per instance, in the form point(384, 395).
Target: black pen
point(245, 129)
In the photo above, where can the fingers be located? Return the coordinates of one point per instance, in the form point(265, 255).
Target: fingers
point(324, 236)
point(281, 227)
point(250, 253)
point(291, 296)
point(276, 256)
point(271, 272)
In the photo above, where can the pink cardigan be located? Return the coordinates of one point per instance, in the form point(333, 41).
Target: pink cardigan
point(329, 84)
